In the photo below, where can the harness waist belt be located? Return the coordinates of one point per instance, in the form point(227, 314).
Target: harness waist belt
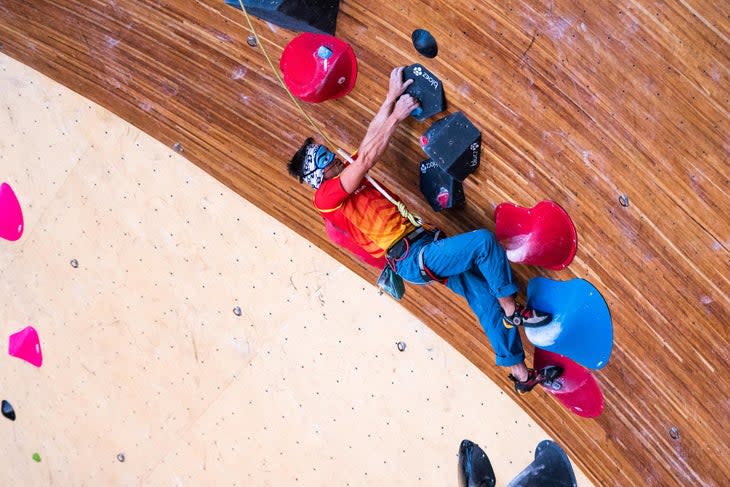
point(399, 249)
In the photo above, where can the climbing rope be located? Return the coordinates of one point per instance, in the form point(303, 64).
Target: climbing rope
point(402, 209)
point(405, 212)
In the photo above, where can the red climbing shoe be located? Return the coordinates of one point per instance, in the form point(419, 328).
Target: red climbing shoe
point(527, 317)
point(535, 377)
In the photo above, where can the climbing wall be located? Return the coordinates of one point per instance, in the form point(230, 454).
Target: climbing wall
point(190, 339)
point(617, 111)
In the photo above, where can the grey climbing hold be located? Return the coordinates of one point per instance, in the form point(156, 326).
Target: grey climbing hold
point(623, 200)
point(74, 263)
point(251, 41)
point(237, 311)
point(8, 410)
point(120, 457)
point(674, 433)
point(177, 147)
point(401, 346)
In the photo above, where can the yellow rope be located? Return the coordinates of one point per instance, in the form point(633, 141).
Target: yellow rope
point(411, 217)
point(281, 81)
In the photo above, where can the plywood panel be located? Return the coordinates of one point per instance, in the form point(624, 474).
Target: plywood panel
point(578, 102)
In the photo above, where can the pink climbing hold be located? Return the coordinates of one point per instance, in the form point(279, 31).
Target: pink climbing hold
point(443, 197)
point(543, 235)
point(26, 345)
point(11, 216)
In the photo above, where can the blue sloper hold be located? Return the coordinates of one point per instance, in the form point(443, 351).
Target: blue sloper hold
point(475, 469)
point(8, 410)
point(551, 468)
point(581, 328)
point(424, 43)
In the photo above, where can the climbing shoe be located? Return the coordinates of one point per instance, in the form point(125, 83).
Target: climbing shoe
point(535, 377)
point(527, 317)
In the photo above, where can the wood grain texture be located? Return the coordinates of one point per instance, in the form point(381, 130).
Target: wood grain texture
point(578, 102)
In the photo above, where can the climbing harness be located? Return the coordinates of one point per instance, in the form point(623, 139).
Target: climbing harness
point(426, 273)
point(402, 248)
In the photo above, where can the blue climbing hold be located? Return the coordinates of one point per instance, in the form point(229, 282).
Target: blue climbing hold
point(7, 410)
point(550, 468)
point(475, 469)
point(424, 43)
point(324, 52)
point(581, 328)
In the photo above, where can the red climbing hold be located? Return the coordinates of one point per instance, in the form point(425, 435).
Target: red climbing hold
point(543, 235)
point(318, 67)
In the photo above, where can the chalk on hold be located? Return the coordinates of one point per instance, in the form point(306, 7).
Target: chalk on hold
point(26, 345)
point(581, 329)
point(454, 143)
point(427, 89)
point(543, 235)
point(11, 215)
point(424, 43)
point(299, 15)
point(8, 410)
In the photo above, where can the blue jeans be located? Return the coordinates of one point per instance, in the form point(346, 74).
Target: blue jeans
point(477, 269)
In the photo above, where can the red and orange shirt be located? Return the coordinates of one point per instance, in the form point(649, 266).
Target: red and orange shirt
point(364, 222)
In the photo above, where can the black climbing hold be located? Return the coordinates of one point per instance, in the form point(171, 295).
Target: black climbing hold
point(251, 41)
point(623, 200)
point(455, 144)
point(177, 147)
point(550, 468)
point(475, 469)
point(121, 457)
point(300, 15)
point(401, 346)
point(674, 432)
point(237, 311)
point(424, 43)
point(439, 188)
point(427, 89)
point(74, 263)
point(8, 410)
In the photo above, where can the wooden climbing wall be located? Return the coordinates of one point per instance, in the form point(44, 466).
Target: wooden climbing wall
point(579, 102)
